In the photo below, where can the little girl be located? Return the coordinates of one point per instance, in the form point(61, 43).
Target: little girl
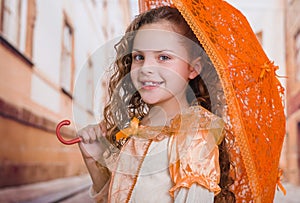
point(166, 142)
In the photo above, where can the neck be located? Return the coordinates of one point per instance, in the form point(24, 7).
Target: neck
point(161, 115)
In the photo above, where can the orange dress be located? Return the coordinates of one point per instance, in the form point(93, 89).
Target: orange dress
point(166, 164)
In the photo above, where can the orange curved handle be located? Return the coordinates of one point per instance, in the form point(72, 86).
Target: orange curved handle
point(61, 139)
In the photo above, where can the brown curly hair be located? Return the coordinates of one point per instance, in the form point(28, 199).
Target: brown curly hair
point(125, 102)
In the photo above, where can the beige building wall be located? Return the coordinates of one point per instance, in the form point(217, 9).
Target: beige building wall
point(32, 95)
point(293, 91)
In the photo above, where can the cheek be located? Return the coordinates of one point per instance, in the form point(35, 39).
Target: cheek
point(184, 71)
point(180, 72)
point(134, 76)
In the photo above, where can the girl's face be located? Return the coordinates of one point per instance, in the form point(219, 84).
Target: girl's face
point(160, 70)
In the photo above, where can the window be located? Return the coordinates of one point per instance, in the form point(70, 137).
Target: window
point(67, 58)
point(297, 55)
point(17, 19)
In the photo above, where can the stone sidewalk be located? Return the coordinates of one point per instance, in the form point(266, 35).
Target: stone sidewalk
point(75, 190)
point(59, 190)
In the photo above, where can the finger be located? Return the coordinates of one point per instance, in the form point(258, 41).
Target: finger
point(99, 132)
point(85, 136)
point(103, 128)
point(92, 134)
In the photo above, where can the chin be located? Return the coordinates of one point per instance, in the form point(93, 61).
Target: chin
point(150, 101)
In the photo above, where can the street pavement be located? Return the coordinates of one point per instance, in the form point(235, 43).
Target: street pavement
point(58, 190)
point(75, 190)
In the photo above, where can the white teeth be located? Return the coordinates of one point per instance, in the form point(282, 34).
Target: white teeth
point(150, 83)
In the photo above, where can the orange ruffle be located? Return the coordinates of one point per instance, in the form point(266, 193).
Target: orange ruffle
point(193, 150)
point(203, 181)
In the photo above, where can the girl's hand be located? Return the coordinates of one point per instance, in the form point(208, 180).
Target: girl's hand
point(94, 142)
point(92, 147)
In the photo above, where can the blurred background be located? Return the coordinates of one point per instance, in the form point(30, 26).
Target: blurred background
point(45, 45)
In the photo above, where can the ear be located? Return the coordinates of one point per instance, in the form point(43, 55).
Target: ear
point(195, 68)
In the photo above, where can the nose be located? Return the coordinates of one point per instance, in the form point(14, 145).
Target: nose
point(147, 70)
point(148, 66)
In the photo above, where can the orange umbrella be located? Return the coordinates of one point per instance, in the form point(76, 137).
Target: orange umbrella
point(254, 96)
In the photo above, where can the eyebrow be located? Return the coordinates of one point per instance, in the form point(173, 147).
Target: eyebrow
point(163, 50)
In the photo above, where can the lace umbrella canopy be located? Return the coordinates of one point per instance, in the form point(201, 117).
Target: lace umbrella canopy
point(254, 109)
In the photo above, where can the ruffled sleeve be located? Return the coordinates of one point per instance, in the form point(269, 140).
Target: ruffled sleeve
point(193, 150)
point(195, 193)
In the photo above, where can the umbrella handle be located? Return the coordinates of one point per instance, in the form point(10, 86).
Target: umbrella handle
point(61, 139)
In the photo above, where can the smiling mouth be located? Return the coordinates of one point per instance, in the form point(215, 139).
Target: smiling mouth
point(149, 84)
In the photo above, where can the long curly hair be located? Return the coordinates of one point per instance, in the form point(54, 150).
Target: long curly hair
point(125, 102)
